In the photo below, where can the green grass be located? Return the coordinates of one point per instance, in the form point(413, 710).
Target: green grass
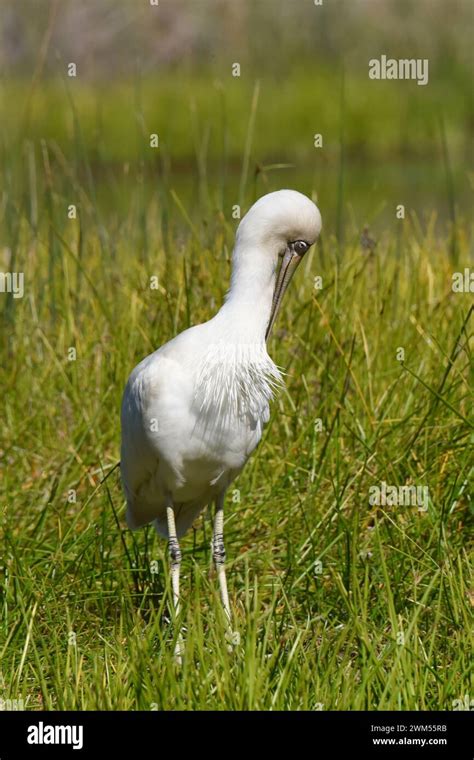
point(340, 604)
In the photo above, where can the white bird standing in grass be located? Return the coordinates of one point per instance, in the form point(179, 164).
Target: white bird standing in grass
point(194, 410)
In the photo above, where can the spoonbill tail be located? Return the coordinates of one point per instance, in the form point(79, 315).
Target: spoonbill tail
point(194, 410)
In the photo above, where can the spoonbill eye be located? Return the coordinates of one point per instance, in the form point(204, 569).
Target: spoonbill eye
point(300, 246)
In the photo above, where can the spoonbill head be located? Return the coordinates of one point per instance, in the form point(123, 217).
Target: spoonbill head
point(283, 224)
point(194, 410)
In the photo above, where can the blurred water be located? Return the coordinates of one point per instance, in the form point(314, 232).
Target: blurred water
point(370, 193)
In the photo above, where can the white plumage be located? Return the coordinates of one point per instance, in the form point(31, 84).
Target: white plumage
point(194, 410)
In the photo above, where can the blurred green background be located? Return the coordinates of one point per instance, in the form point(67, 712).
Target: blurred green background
point(71, 566)
point(223, 140)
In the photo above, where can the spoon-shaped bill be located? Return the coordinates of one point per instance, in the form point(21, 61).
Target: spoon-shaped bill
point(289, 265)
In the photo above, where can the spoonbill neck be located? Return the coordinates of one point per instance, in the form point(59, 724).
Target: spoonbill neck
point(249, 301)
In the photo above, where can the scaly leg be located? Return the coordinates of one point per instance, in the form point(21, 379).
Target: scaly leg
point(218, 555)
point(175, 559)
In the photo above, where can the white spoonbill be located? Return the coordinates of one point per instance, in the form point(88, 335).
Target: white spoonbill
point(194, 410)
